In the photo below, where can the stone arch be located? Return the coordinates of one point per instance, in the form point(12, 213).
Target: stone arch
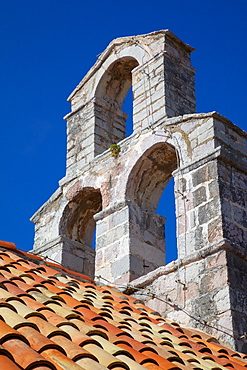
point(110, 119)
point(77, 222)
point(150, 175)
point(116, 81)
point(115, 52)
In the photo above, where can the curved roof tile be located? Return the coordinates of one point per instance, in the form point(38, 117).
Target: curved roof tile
point(54, 319)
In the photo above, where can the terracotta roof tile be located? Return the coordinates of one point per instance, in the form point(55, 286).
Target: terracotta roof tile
point(37, 341)
point(7, 245)
point(8, 363)
point(7, 332)
point(25, 356)
point(73, 351)
point(54, 319)
point(59, 360)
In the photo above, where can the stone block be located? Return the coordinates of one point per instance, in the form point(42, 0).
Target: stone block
point(205, 135)
point(119, 217)
point(233, 194)
point(150, 253)
point(209, 211)
point(239, 179)
point(222, 300)
point(117, 233)
point(233, 233)
point(199, 196)
point(206, 147)
point(226, 208)
point(204, 306)
point(114, 251)
point(193, 272)
point(200, 239)
point(182, 224)
point(205, 173)
point(99, 258)
point(101, 227)
point(219, 126)
point(215, 230)
point(101, 241)
point(192, 219)
point(213, 188)
point(120, 267)
point(216, 260)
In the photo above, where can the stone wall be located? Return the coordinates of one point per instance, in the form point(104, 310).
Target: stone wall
point(193, 292)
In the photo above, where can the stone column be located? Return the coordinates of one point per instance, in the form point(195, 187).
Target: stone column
point(129, 242)
point(211, 192)
point(110, 125)
point(80, 137)
point(91, 130)
point(163, 87)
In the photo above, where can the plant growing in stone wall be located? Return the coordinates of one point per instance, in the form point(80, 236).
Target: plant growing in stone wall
point(115, 149)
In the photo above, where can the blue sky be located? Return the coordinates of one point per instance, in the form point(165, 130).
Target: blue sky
point(47, 46)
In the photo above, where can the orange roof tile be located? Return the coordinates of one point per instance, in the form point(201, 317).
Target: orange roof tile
point(7, 245)
point(54, 319)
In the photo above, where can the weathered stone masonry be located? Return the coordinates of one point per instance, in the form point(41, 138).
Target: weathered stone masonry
point(205, 153)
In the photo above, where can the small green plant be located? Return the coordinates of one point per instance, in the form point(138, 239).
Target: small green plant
point(115, 149)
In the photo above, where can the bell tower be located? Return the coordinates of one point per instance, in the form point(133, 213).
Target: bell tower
point(117, 191)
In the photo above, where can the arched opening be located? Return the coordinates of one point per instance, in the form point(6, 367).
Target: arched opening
point(116, 81)
point(110, 118)
point(148, 180)
point(166, 208)
point(78, 223)
point(128, 109)
point(151, 174)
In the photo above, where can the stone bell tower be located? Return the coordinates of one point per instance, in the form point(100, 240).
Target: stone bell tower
point(97, 189)
point(113, 183)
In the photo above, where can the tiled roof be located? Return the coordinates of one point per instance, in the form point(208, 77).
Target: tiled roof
point(54, 319)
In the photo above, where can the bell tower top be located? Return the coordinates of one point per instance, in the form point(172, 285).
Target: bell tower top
point(142, 48)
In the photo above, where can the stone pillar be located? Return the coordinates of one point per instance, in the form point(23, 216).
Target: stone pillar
point(163, 87)
point(198, 209)
point(80, 136)
point(129, 242)
point(91, 130)
point(110, 125)
point(70, 254)
point(211, 191)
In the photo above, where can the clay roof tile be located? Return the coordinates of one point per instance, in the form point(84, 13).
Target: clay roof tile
point(7, 332)
point(63, 323)
point(7, 245)
point(103, 357)
point(46, 328)
point(13, 319)
point(38, 341)
point(24, 356)
point(8, 364)
point(73, 351)
point(59, 360)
